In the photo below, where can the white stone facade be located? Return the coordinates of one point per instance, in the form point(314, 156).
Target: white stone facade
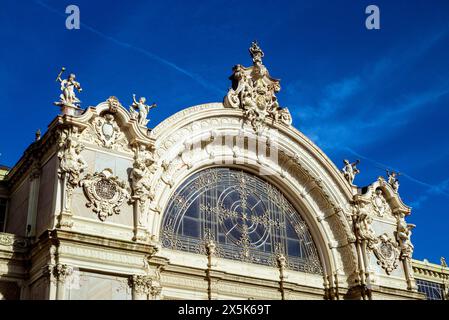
point(87, 203)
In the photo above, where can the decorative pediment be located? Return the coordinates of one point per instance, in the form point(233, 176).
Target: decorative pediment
point(254, 91)
point(384, 200)
point(109, 125)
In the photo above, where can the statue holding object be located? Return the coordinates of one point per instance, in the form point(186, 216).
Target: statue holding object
point(350, 170)
point(139, 110)
point(68, 97)
point(393, 179)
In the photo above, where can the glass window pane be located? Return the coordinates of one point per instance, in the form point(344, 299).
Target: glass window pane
point(248, 219)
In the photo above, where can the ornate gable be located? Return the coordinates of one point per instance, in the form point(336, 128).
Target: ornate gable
point(254, 91)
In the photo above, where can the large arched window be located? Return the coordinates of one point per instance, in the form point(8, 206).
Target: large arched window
point(248, 219)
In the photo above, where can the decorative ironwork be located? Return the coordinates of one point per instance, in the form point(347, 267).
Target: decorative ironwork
point(433, 290)
point(248, 219)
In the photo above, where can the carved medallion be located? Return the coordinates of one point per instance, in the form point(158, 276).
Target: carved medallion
point(105, 193)
point(109, 134)
point(379, 203)
point(387, 253)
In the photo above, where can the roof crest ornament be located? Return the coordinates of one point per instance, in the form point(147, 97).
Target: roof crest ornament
point(254, 91)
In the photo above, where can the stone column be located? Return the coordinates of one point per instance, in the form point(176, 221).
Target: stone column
point(141, 286)
point(57, 276)
point(65, 217)
point(47, 272)
point(140, 219)
point(61, 272)
point(33, 201)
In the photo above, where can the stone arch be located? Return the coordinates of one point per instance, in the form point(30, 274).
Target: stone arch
point(303, 173)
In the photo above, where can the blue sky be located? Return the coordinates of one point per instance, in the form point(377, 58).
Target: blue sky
point(381, 96)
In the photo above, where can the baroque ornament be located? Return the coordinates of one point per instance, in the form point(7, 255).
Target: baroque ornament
point(393, 179)
point(141, 180)
point(105, 193)
point(68, 86)
point(254, 91)
point(404, 233)
point(387, 253)
point(114, 104)
point(363, 226)
point(109, 134)
point(139, 110)
point(350, 170)
point(379, 203)
point(71, 163)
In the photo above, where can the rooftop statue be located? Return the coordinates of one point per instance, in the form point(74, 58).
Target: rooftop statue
point(393, 180)
point(350, 170)
point(68, 86)
point(254, 91)
point(139, 110)
point(443, 262)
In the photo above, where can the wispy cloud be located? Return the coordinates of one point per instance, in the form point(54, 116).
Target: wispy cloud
point(347, 112)
point(151, 55)
point(441, 188)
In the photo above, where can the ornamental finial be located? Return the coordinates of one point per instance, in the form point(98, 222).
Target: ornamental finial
point(256, 53)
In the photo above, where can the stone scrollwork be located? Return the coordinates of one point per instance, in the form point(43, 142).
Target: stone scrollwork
point(109, 134)
point(387, 253)
point(62, 271)
point(380, 205)
point(144, 286)
point(254, 91)
point(105, 193)
point(141, 283)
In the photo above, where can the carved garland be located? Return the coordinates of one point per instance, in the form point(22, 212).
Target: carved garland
point(105, 193)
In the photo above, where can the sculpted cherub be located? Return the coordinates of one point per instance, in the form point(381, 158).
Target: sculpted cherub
point(393, 179)
point(140, 110)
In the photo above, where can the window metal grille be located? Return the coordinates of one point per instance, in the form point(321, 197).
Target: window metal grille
point(249, 220)
point(433, 290)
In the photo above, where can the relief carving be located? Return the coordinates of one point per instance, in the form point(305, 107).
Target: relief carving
point(105, 192)
point(254, 91)
point(380, 205)
point(363, 226)
point(140, 177)
point(109, 134)
point(403, 235)
point(387, 253)
point(71, 163)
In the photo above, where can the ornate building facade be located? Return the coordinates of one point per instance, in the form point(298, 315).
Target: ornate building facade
point(219, 201)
